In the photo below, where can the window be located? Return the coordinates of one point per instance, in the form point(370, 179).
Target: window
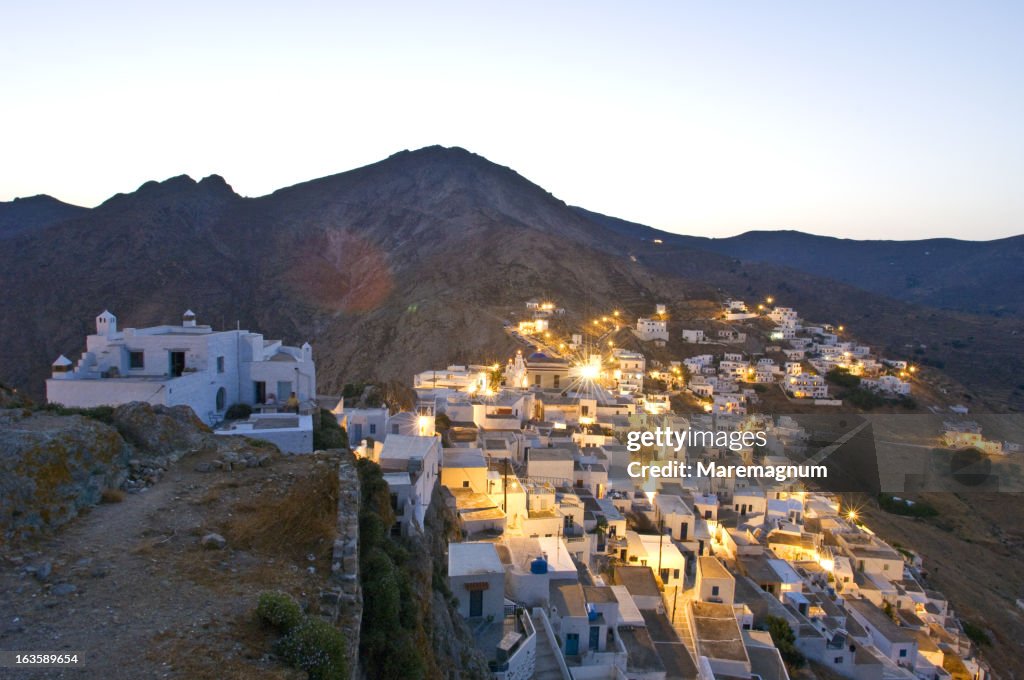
point(675, 574)
point(220, 364)
point(837, 660)
point(903, 653)
point(222, 397)
point(465, 484)
point(394, 429)
point(373, 428)
point(714, 591)
point(556, 380)
point(136, 359)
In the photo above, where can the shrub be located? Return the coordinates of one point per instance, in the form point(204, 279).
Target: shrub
point(865, 399)
point(104, 414)
point(238, 412)
point(842, 377)
point(785, 641)
point(111, 496)
point(279, 610)
point(316, 647)
point(327, 433)
point(976, 633)
point(901, 507)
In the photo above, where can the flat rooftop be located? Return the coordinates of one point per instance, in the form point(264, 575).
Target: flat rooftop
point(717, 633)
point(671, 505)
point(878, 619)
point(545, 455)
point(475, 506)
point(567, 597)
point(674, 655)
point(639, 581)
point(711, 567)
point(469, 559)
point(464, 458)
point(642, 656)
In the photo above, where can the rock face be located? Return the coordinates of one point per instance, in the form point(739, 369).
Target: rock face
point(51, 467)
point(161, 430)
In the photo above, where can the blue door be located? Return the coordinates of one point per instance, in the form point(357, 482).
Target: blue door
point(357, 434)
point(572, 644)
point(595, 638)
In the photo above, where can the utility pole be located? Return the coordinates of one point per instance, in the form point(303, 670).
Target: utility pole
point(661, 539)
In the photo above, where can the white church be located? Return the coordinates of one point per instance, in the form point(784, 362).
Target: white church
point(188, 364)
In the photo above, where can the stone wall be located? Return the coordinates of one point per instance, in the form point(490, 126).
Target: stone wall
point(342, 602)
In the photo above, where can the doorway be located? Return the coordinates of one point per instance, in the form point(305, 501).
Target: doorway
point(177, 364)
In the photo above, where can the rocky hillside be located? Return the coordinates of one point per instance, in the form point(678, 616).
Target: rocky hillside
point(56, 464)
point(24, 215)
point(403, 265)
point(966, 276)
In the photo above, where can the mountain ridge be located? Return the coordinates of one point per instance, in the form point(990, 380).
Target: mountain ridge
point(389, 269)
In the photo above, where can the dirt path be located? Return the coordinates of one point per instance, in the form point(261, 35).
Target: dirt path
point(133, 592)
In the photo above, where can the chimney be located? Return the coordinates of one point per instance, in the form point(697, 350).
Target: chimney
point(188, 319)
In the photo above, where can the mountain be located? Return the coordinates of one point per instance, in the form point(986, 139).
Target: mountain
point(403, 265)
point(970, 276)
point(35, 212)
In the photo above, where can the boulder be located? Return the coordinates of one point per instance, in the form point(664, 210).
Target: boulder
point(213, 542)
point(52, 467)
point(162, 431)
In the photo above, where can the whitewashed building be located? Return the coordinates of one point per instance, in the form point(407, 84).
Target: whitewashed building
point(185, 364)
point(652, 329)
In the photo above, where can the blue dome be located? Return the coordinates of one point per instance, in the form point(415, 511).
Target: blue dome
point(539, 566)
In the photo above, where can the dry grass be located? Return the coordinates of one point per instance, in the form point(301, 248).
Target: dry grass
point(295, 523)
point(233, 652)
point(112, 496)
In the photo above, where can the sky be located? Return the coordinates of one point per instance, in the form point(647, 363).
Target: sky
point(871, 119)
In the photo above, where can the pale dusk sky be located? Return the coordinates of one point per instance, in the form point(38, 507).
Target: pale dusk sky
point(857, 120)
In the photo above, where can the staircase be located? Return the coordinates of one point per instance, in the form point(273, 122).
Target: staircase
point(547, 666)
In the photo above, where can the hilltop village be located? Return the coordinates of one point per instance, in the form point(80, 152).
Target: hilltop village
point(567, 566)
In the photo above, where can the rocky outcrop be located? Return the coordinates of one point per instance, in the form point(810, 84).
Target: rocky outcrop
point(161, 430)
point(52, 467)
point(452, 641)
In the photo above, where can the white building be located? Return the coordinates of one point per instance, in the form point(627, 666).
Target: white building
point(461, 378)
point(290, 432)
point(189, 365)
point(887, 383)
point(629, 376)
point(807, 386)
point(420, 459)
point(652, 329)
point(694, 336)
point(476, 577)
point(714, 582)
point(784, 316)
point(362, 423)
